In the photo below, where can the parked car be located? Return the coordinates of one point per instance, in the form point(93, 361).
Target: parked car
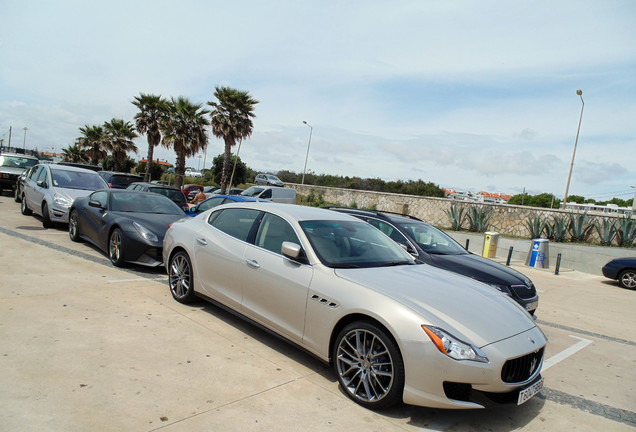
point(394, 330)
point(623, 270)
point(160, 182)
point(79, 165)
point(50, 189)
point(189, 188)
point(168, 191)
point(119, 180)
point(211, 190)
point(19, 184)
point(272, 193)
point(432, 246)
point(12, 165)
point(128, 225)
point(217, 200)
point(268, 180)
point(193, 173)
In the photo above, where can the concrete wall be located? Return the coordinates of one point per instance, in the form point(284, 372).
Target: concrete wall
point(507, 219)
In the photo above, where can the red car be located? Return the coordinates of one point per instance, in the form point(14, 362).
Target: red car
point(187, 188)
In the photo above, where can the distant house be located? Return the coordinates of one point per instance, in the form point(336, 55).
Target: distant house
point(163, 164)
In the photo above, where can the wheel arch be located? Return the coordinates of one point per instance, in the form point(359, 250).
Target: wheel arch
point(348, 319)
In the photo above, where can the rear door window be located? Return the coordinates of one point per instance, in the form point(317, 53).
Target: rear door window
point(235, 222)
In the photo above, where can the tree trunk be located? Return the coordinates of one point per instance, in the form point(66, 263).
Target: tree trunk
point(179, 169)
point(149, 161)
point(226, 165)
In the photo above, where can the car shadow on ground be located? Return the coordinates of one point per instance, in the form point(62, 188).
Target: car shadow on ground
point(502, 418)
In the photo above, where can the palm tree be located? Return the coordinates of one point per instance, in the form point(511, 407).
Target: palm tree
point(232, 121)
point(152, 110)
point(184, 130)
point(74, 154)
point(120, 135)
point(93, 140)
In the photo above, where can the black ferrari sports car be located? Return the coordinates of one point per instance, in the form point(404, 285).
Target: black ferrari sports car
point(128, 225)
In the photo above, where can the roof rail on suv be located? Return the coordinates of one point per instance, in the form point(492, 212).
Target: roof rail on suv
point(370, 212)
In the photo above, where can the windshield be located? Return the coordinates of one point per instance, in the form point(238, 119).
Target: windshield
point(173, 194)
point(353, 244)
point(84, 180)
point(432, 240)
point(143, 203)
point(252, 191)
point(17, 162)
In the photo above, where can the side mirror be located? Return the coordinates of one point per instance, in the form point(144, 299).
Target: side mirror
point(96, 204)
point(294, 252)
point(408, 248)
point(42, 184)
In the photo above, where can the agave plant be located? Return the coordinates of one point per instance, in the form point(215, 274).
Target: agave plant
point(579, 227)
point(479, 218)
point(457, 215)
point(626, 231)
point(535, 226)
point(606, 231)
point(558, 230)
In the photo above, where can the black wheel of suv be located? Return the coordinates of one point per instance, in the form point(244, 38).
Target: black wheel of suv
point(116, 248)
point(73, 227)
point(46, 217)
point(24, 209)
point(368, 365)
point(180, 277)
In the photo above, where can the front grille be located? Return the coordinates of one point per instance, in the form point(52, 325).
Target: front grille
point(524, 291)
point(522, 368)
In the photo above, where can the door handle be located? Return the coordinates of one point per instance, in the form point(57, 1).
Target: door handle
point(202, 241)
point(253, 263)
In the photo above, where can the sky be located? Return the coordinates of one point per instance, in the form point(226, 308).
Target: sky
point(469, 95)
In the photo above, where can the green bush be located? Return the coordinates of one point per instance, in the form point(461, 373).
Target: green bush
point(535, 226)
point(479, 218)
point(456, 215)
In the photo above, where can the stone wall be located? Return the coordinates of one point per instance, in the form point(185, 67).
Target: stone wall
point(506, 219)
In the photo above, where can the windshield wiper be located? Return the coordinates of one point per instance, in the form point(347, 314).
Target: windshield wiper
point(344, 266)
point(397, 263)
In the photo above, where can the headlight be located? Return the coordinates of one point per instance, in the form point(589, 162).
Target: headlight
point(453, 347)
point(145, 232)
point(503, 288)
point(62, 201)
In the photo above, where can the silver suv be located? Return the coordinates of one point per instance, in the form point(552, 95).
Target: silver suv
point(49, 191)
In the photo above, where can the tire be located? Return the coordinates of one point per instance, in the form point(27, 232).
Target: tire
point(46, 217)
point(24, 208)
point(627, 279)
point(368, 365)
point(73, 226)
point(116, 247)
point(16, 195)
point(180, 277)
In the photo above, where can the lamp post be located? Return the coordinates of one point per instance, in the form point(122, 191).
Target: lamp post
point(24, 142)
point(634, 200)
point(567, 187)
point(307, 155)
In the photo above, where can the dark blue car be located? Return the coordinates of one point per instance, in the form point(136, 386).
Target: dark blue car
point(218, 200)
point(623, 270)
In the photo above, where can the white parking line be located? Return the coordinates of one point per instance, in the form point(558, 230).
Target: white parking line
point(547, 364)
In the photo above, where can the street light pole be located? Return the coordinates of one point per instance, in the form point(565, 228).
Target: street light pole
point(24, 142)
point(567, 187)
point(307, 155)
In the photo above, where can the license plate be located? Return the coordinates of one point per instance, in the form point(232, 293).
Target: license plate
point(526, 394)
point(532, 306)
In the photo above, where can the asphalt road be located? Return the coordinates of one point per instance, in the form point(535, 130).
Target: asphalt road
point(86, 346)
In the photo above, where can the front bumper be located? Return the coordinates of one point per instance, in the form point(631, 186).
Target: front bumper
point(437, 381)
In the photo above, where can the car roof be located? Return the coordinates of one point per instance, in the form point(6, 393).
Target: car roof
point(18, 155)
point(57, 167)
point(155, 185)
point(294, 211)
point(389, 216)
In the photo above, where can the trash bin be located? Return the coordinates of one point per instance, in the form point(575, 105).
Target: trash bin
point(538, 255)
point(490, 244)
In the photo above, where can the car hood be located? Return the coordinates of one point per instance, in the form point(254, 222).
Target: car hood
point(479, 268)
point(71, 194)
point(155, 222)
point(468, 309)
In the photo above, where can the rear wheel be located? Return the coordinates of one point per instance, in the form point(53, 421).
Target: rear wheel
point(627, 279)
point(369, 366)
point(116, 248)
point(24, 209)
point(46, 217)
point(180, 277)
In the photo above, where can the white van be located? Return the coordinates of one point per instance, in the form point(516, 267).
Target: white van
point(272, 193)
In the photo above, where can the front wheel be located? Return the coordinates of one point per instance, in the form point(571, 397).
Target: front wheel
point(46, 217)
point(16, 195)
point(116, 248)
point(627, 279)
point(73, 226)
point(180, 277)
point(369, 366)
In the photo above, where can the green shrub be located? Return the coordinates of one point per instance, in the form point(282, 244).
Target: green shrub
point(535, 226)
point(479, 218)
point(626, 231)
point(457, 215)
point(558, 229)
point(579, 227)
point(606, 231)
